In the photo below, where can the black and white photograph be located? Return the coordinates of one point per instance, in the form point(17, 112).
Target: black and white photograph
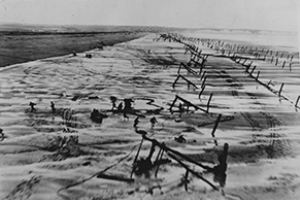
point(149, 100)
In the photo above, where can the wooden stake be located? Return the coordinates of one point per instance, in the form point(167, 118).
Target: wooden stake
point(216, 125)
point(257, 76)
point(179, 68)
point(280, 90)
point(174, 101)
point(208, 103)
point(173, 85)
point(186, 176)
point(269, 83)
point(253, 70)
point(200, 93)
point(296, 104)
point(136, 157)
point(203, 75)
point(283, 64)
point(160, 157)
point(203, 82)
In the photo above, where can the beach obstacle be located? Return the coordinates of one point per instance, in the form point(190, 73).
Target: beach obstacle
point(186, 180)
point(201, 92)
point(159, 157)
point(269, 83)
point(136, 122)
point(203, 75)
point(189, 83)
point(215, 128)
point(252, 70)
point(136, 157)
point(187, 68)
point(257, 75)
point(276, 62)
point(280, 90)
point(248, 66)
point(208, 102)
point(186, 103)
point(178, 157)
point(204, 81)
point(297, 101)
point(283, 64)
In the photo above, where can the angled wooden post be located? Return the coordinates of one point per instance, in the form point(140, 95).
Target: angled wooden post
point(276, 61)
point(253, 70)
point(174, 101)
point(257, 76)
point(203, 75)
point(297, 101)
point(161, 153)
point(283, 64)
point(200, 93)
point(177, 78)
point(179, 68)
point(136, 157)
point(216, 126)
point(268, 84)
point(208, 102)
point(203, 82)
point(280, 90)
point(200, 71)
point(186, 180)
point(247, 68)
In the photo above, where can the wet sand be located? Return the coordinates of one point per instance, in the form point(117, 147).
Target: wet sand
point(260, 127)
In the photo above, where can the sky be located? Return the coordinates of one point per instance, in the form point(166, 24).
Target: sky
point(251, 14)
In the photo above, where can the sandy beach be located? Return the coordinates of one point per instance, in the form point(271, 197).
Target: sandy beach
point(259, 123)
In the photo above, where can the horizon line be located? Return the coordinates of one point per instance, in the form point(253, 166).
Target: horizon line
point(154, 26)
